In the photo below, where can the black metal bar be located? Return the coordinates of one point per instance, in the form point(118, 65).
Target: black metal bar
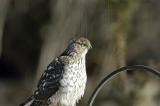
point(116, 72)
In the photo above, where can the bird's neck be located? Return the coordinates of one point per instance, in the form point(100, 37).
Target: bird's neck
point(73, 52)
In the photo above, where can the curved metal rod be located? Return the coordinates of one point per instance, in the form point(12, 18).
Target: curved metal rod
point(116, 72)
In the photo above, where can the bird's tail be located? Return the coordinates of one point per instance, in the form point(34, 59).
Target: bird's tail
point(31, 101)
point(28, 102)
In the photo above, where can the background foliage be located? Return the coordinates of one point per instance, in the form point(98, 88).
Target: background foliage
point(122, 32)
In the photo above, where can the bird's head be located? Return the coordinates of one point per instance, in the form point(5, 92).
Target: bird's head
point(80, 45)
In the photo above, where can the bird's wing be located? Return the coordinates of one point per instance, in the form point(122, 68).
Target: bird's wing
point(49, 82)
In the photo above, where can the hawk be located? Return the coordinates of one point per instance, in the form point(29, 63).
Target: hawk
point(64, 80)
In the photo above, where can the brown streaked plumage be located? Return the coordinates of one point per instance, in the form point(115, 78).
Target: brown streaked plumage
point(65, 78)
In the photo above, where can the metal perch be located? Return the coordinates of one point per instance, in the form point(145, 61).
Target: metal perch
point(116, 72)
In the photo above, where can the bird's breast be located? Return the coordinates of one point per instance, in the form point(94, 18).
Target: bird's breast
point(74, 80)
point(74, 74)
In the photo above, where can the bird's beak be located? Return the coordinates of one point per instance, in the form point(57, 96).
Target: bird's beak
point(90, 46)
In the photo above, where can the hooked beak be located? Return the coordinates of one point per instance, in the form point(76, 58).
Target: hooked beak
point(90, 46)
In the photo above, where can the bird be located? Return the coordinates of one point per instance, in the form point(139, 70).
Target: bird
point(64, 80)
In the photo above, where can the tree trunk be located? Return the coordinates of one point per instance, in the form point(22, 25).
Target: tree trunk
point(3, 11)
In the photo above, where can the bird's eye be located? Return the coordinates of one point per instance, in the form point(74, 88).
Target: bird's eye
point(84, 44)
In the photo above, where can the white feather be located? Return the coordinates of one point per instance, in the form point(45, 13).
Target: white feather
point(29, 103)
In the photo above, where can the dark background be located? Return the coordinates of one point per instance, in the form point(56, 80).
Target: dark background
point(122, 32)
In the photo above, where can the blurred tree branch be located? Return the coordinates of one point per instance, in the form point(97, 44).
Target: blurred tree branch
point(3, 11)
point(123, 13)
